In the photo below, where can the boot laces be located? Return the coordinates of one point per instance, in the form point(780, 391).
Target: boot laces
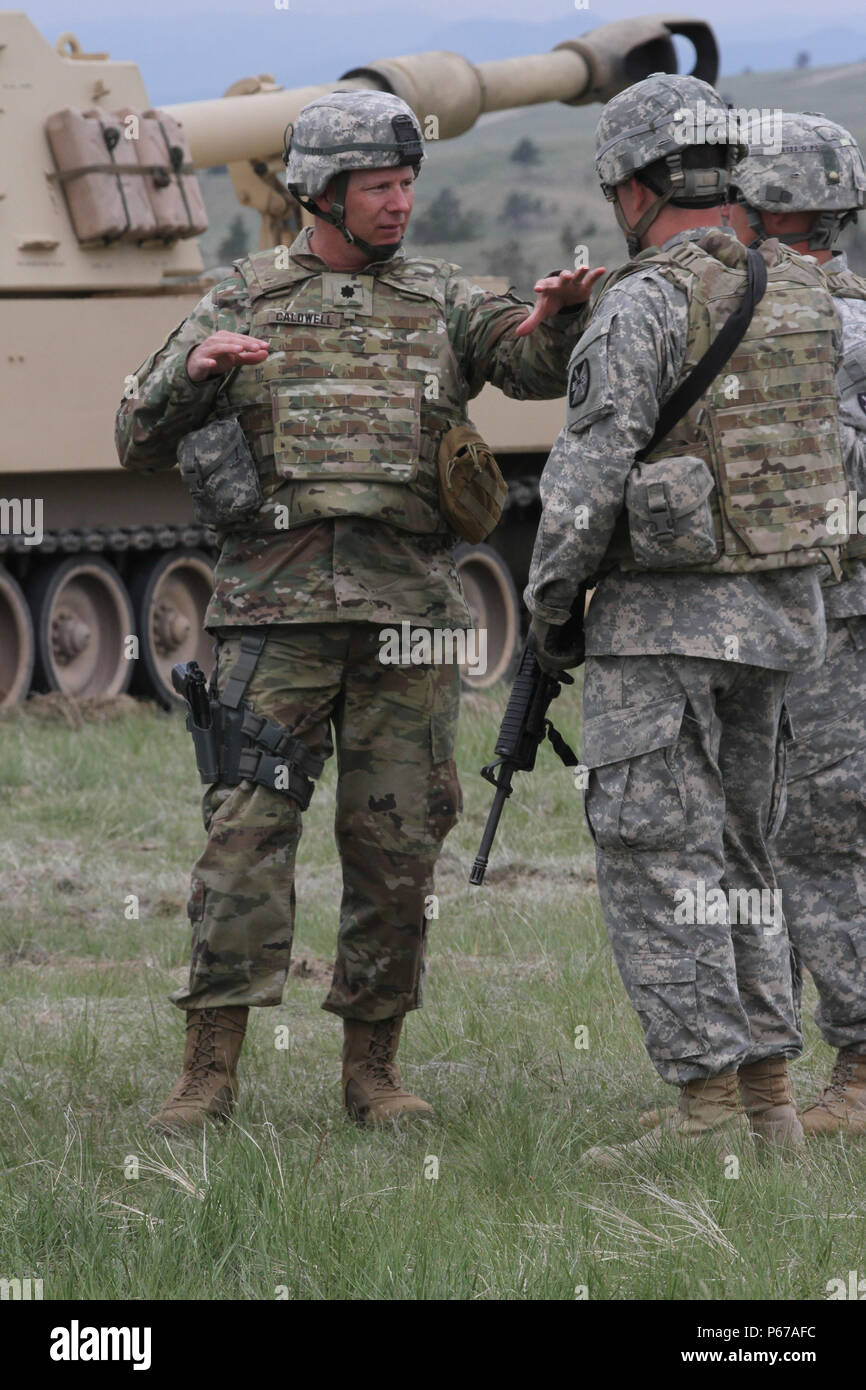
point(842, 1076)
point(380, 1061)
point(203, 1061)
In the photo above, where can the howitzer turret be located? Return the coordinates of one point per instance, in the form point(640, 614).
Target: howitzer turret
point(100, 260)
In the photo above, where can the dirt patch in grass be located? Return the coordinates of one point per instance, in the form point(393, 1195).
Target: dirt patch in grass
point(32, 954)
point(537, 967)
point(312, 969)
point(57, 708)
point(509, 874)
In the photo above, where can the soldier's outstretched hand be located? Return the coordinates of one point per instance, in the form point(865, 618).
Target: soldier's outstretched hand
point(222, 351)
point(557, 292)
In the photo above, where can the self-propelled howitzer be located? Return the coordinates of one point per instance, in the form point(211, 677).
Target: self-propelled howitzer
point(99, 261)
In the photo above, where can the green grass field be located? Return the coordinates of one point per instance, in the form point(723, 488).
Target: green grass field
point(291, 1199)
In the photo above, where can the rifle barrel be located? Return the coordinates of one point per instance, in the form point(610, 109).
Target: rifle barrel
point(503, 791)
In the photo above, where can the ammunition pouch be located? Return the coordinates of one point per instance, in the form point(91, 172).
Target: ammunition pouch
point(241, 745)
point(670, 517)
point(221, 474)
point(472, 490)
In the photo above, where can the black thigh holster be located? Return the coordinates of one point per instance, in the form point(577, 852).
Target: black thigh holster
point(240, 745)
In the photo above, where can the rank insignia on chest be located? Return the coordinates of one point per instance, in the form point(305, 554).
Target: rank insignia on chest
point(347, 294)
point(578, 384)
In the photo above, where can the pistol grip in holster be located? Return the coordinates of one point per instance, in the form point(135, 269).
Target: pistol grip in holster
point(241, 745)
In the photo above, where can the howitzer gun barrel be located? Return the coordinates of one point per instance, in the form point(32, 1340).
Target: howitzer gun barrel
point(455, 91)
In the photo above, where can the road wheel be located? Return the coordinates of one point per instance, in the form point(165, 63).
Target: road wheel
point(170, 591)
point(495, 607)
point(81, 617)
point(17, 648)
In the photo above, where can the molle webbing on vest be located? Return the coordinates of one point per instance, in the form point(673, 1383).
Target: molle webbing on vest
point(345, 415)
point(767, 428)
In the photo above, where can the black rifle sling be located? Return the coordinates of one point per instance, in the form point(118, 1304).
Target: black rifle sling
point(717, 354)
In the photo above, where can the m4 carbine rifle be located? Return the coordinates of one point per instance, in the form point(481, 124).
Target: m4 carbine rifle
point(524, 727)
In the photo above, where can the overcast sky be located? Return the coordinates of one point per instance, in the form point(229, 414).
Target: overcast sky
point(764, 16)
point(189, 49)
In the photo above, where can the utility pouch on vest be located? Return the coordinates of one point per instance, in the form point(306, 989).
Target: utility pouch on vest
point(669, 514)
point(668, 501)
point(233, 743)
point(220, 472)
point(472, 490)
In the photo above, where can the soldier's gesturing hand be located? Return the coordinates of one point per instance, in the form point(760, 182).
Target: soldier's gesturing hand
point(557, 292)
point(222, 351)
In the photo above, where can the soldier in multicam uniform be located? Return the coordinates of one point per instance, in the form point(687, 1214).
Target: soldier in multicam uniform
point(348, 362)
point(803, 190)
point(706, 600)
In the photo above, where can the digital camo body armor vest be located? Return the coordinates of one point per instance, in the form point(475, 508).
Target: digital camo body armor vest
point(743, 480)
point(345, 416)
point(844, 284)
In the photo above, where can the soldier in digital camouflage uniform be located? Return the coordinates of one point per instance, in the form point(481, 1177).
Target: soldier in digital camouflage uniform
point(803, 189)
point(702, 608)
point(347, 361)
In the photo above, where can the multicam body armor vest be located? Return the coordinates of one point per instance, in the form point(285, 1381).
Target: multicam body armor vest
point(346, 414)
point(766, 429)
point(844, 284)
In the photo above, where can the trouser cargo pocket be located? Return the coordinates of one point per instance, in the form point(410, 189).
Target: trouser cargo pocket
point(635, 795)
point(663, 990)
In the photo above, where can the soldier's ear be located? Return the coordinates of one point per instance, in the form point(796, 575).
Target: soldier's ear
point(326, 198)
point(642, 195)
point(630, 198)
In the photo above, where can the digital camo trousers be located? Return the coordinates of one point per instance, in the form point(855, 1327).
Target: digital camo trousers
point(686, 783)
point(394, 728)
point(820, 851)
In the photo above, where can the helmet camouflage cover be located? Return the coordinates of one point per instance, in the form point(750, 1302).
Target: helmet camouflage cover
point(350, 130)
point(656, 119)
point(803, 162)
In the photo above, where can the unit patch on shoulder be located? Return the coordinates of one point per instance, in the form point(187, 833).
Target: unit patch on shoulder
point(578, 384)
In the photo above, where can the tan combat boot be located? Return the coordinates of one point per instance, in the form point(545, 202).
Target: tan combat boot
point(707, 1114)
point(768, 1100)
point(372, 1089)
point(842, 1104)
point(208, 1085)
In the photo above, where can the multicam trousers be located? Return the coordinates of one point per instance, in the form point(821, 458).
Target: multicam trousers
point(397, 797)
point(686, 782)
point(820, 852)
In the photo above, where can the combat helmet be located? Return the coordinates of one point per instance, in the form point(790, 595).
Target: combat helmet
point(812, 165)
point(344, 131)
point(657, 119)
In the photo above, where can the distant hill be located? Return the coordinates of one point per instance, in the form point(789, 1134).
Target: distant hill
point(824, 47)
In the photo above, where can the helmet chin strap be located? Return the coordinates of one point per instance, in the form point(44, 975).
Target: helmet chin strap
point(822, 235)
point(336, 215)
point(634, 235)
